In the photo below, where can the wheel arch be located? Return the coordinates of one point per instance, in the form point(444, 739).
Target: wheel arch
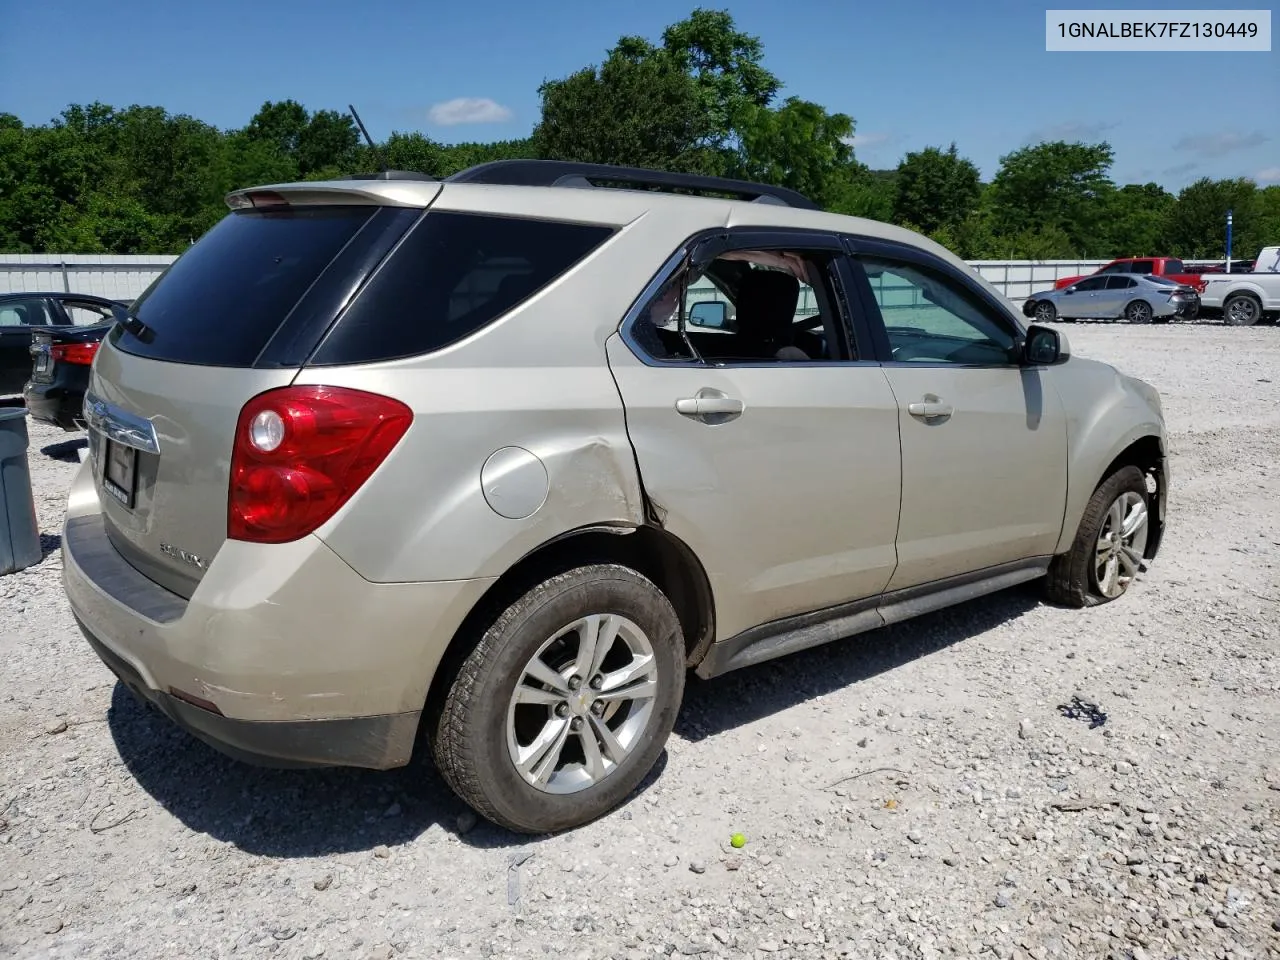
point(1146, 452)
point(649, 550)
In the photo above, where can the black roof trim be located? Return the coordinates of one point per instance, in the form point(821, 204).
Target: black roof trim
point(393, 175)
point(566, 173)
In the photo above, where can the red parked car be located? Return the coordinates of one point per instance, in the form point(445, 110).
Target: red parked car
point(1169, 267)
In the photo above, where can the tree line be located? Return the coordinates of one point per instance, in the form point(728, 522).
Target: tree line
point(98, 179)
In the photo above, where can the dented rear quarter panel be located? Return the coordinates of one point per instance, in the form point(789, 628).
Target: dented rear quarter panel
point(535, 379)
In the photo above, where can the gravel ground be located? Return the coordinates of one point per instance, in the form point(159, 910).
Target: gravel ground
point(915, 792)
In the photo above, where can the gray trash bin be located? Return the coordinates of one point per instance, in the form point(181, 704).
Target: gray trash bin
point(19, 531)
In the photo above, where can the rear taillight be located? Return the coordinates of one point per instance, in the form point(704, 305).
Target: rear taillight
point(301, 452)
point(78, 353)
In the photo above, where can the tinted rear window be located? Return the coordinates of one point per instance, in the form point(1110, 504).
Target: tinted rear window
point(453, 274)
point(1174, 266)
point(224, 298)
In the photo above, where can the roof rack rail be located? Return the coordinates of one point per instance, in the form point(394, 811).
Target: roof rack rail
point(393, 175)
point(567, 173)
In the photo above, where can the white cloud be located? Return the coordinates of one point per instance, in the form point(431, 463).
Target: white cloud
point(1268, 175)
point(1220, 144)
point(468, 110)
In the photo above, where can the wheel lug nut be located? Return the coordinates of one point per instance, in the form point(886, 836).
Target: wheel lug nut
point(597, 682)
point(597, 708)
point(575, 682)
point(577, 723)
point(562, 709)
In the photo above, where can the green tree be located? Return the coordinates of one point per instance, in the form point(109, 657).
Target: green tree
point(1134, 220)
point(936, 189)
point(725, 63)
point(1268, 215)
point(460, 156)
point(328, 142)
point(798, 145)
point(859, 192)
point(701, 102)
point(633, 110)
point(280, 125)
point(1053, 189)
point(1197, 221)
point(412, 151)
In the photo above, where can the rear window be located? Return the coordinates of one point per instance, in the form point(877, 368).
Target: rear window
point(454, 274)
point(1174, 266)
point(224, 298)
point(1143, 266)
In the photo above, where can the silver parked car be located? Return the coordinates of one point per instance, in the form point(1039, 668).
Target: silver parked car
point(1133, 297)
point(393, 460)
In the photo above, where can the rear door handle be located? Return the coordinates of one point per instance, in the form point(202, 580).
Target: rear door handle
point(930, 409)
point(710, 406)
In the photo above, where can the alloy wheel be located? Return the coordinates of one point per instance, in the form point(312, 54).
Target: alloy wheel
point(582, 704)
point(1121, 544)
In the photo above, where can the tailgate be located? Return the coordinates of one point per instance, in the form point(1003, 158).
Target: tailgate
point(236, 314)
point(160, 438)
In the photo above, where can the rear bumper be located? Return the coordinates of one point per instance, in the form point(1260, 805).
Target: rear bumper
point(379, 742)
point(297, 659)
point(55, 403)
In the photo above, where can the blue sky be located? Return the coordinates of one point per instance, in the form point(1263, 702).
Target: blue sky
point(911, 74)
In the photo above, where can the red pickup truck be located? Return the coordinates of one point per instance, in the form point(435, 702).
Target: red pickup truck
point(1170, 267)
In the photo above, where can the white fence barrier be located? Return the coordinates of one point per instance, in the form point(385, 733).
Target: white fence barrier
point(117, 277)
point(125, 277)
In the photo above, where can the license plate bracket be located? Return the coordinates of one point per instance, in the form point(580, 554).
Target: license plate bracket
point(120, 472)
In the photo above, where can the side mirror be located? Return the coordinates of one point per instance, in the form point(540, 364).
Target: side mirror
point(709, 313)
point(1045, 347)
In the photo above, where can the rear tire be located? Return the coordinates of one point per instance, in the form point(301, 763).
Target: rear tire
point(535, 692)
point(1104, 559)
point(1138, 311)
point(1241, 310)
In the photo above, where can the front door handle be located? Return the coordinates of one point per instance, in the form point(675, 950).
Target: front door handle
point(710, 406)
point(932, 408)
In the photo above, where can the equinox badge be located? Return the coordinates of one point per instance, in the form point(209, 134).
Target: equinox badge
point(171, 551)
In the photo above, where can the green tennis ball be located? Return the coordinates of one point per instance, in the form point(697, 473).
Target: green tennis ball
point(738, 840)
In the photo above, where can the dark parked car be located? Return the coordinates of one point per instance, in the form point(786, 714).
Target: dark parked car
point(49, 339)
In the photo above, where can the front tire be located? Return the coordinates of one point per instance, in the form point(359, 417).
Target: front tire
point(1107, 553)
point(1045, 312)
point(566, 702)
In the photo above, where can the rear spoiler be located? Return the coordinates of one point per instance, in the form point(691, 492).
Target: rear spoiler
point(381, 193)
